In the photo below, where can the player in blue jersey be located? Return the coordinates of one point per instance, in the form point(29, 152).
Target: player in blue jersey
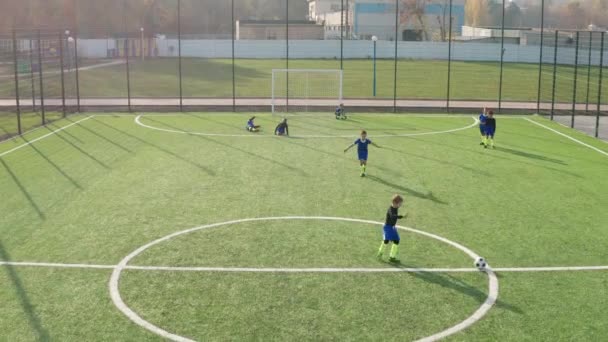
point(390, 233)
point(490, 127)
point(341, 112)
point(362, 144)
point(282, 128)
point(482, 125)
point(251, 126)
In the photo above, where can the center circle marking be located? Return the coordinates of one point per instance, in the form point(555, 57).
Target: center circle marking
point(133, 316)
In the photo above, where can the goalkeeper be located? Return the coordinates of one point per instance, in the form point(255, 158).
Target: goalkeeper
point(282, 128)
point(341, 112)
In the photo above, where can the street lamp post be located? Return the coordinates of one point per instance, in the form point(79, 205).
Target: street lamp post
point(375, 40)
point(142, 45)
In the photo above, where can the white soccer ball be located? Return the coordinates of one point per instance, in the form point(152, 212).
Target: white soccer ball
point(481, 263)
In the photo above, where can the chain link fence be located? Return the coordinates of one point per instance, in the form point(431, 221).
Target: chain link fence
point(188, 55)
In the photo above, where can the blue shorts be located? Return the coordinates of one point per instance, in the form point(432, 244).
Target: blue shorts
point(490, 131)
point(362, 155)
point(390, 233)
point(482, 129)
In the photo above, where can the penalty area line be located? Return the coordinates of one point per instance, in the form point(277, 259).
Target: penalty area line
point(306, 270)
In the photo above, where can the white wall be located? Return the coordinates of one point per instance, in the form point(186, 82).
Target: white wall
point(352, 49)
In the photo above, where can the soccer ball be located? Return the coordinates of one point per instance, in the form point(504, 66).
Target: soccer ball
point(481, 263)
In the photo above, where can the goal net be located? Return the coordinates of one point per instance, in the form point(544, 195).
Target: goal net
point(302, 90)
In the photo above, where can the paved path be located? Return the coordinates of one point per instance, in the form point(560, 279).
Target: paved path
point(266, 102)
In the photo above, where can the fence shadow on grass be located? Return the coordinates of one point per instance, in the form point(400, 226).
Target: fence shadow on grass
point(27, 306)
point(24, 191)
point(55, 166)
point(201, 167)
point(261, 157)
point(529, 155)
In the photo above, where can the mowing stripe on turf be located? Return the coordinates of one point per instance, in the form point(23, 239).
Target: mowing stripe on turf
point(44, 136)
point(567, 136)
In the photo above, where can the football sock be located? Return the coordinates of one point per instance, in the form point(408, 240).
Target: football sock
point(483, 138)
point(363, 168)
point(394, 251)
point(485, 141)
point(381, 249)
point(492, 142)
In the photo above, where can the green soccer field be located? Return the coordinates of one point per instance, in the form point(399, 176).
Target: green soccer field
point(416, 79)
point(128, 227)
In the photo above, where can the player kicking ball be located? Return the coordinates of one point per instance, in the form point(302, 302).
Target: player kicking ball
point(490, 130)
point(390, 233)
point(362, 144)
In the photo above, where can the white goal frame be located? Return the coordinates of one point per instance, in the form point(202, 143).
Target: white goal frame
point(275, 72)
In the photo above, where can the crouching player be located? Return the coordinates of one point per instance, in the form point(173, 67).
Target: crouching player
point(490, 130)
point(251, 126)
point(282, 128)
point(362, 144)
point(341, 112)
point(390, 230)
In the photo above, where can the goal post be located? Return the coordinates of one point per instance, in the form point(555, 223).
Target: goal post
point(302, 90)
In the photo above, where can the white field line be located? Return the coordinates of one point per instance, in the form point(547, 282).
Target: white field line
point(44, 136)
point(305, 270)
point(589, 135)
point(568, 137)
point(254, 135)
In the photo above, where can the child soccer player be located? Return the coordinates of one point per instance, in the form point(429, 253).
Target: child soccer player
point(490, 130)
point(362, 144)
point(390, 230)
point(341, 112)
point(482, 125)
point(252, 127)
point(282, 128)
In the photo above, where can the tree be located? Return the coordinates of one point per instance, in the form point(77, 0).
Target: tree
point(411, 13)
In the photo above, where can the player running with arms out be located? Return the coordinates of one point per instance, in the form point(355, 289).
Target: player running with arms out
point(390, 233)
point(282, 128)
point(490, 130)
point(482, 125)
point(362, 144)
point(251, 126)
point(341, 112)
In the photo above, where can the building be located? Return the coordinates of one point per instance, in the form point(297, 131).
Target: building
point(362, 19)
point(276, 29)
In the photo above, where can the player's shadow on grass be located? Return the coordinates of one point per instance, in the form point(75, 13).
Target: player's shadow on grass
point(201, 167)
point(529, 155)
point(450, 282)
point(23, 190)
point(28, 308)
point(445, 162)
point(399, 188)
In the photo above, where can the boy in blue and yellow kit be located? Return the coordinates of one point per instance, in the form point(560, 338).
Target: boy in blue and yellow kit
point(483, 117)
point(390, 233)
point(362, 144)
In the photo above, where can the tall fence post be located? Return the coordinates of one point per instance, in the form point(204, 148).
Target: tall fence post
point(127, 51)
point(341, 34)
point(32, 74)
point(396, 57)
point(179, 52)
point(575, 80)
point(39, 43)
point(16, 69)
point(540, 63)
point(599, 88)
point(233, 59)
point(589, 71)
point(61, 60)
point(447, 103)
point(77, 65)
point(554, 74)
point(502, 56)
point(287, 54)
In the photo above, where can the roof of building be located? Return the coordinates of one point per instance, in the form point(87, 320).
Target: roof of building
point(277, 22)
